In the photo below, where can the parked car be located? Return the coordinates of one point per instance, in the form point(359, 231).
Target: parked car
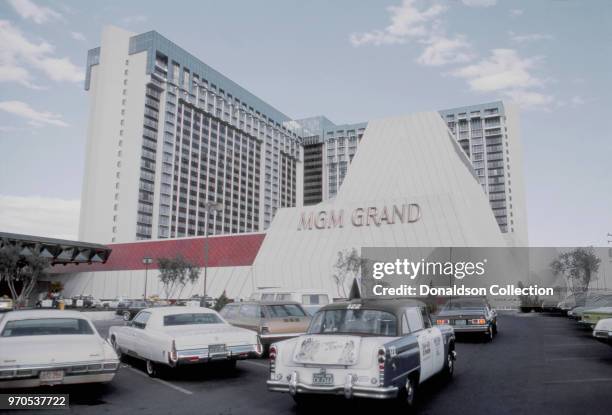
point(109, 302)
point(571, 301)
point(592, 316)
point(46, 303)
point(591, 302)
point(603, 331)
point(310, 299)
point(576, 312)
point(6, 303)
point(469, 315)
point(199, 301)
point(272, 320)
point(85, 301)
point(128, 309)
point(50, 347)
point(368, 348)
point(178, 335)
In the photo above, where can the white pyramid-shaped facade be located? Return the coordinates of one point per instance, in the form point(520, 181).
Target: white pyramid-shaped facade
point(411, 164)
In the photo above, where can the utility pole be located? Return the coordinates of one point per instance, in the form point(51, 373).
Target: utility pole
point(146, 261)
point(210, 207)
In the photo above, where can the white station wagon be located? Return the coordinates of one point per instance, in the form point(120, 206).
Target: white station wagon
point(50, 347)
point(172, 336)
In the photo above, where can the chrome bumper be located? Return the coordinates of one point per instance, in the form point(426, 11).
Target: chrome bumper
point(471, 329)
point(194, 356)
point(603, 335)
point(586, 324)
point(268, 339)
point(349, 390)
point(25, 376)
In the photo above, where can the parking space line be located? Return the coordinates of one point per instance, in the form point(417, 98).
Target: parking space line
point(163, 382)
point(559, 382)
point(568, 345)
point(559, 359)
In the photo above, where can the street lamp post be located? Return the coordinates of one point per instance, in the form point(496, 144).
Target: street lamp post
point(209, 207)
point(146, 261)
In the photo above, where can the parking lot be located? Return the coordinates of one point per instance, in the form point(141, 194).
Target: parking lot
point(537, 364)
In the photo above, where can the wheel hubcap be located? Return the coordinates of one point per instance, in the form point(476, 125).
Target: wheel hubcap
point(451, 363)
point(409, 392)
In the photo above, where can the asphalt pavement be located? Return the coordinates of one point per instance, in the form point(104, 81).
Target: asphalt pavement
point(538, 364)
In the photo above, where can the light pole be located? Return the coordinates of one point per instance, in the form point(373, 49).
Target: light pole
point(146, 261)
point(209, 207)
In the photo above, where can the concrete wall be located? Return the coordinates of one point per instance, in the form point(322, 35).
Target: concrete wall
point(236, 281)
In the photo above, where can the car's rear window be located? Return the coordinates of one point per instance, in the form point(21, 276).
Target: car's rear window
point(46, 326)
point(191, 318)
point(285, 310)
point(367, 322)
point(464, 305)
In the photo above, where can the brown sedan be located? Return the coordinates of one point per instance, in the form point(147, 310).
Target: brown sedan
point(273, 320)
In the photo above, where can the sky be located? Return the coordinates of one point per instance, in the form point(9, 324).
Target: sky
point(349, 60)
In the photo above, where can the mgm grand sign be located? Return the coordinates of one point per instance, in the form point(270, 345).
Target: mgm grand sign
point(370, 216)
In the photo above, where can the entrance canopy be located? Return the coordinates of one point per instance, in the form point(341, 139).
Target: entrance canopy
point(58, 251)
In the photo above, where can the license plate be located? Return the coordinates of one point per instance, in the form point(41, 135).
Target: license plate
point(460, 322)
point(217, 349)
point(51, 376)
point(322, 379)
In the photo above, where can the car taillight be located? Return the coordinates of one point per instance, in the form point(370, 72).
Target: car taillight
point(382, 356)
point(478, 321)
point(272, 354)
point(441, 321)
point(173, 353)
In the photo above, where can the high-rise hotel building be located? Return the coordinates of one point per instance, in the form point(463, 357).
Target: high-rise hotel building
point(488, 133)
point(168, 136)
point(328, 152)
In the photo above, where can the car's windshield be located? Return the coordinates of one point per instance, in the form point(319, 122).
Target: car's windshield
point(369, 322)
point(191, 318)
point(464, 305)
point(46, 326)
point(285, 310)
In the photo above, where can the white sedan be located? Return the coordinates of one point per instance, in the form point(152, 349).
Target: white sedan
point(171, 336)
point(50, 347)
point(603, 330)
